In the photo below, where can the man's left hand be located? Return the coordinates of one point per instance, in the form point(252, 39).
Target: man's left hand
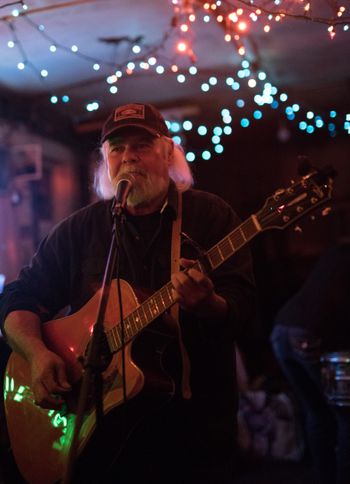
point(194, 291)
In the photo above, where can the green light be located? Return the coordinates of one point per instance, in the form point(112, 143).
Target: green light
point(59, 421)
point(19, 395)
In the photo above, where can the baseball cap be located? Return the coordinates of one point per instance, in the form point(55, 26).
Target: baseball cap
point(138, 115)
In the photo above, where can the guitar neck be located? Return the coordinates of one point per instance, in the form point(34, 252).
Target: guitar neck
point(163, 299)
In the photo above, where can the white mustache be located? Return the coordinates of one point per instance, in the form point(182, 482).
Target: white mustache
point(135, 171)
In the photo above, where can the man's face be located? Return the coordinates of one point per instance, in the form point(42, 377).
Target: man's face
point(146, 157)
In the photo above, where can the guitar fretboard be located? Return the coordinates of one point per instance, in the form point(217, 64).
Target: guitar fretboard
point(163, 299)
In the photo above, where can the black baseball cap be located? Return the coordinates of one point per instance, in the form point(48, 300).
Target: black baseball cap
point(136, 115)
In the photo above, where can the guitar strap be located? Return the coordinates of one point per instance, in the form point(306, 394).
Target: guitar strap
point(174, 310)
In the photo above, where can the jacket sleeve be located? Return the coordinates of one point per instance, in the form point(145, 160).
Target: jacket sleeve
point(43, 286)
point(233, 279)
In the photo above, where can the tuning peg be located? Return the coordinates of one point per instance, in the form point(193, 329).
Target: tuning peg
point(297, 228)
point(278, 192)
point(326, 211)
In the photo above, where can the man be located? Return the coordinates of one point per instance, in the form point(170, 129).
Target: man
point(191, 439)
point(315, 322)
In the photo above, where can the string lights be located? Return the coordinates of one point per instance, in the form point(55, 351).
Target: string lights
point(236, 18)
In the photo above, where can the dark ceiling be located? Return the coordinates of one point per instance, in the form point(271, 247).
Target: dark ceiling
point(298, 55)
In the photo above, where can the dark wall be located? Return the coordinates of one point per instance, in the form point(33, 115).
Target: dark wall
point(254, 164)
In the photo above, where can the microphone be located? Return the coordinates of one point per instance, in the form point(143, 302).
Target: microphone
point(124, 185)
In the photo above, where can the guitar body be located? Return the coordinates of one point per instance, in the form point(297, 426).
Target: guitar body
point(40, 438)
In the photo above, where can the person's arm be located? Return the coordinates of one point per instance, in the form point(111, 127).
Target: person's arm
point(48, 372)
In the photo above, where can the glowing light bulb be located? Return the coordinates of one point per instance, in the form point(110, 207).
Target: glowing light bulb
point(233, 17)
point(190, 156)
point(112, 79)
point(177, 140)
point(175, 127)
point(187, 125)
point(242, 26)
point(181, 78)
point(252, 83)
point(217, 131)
point(181, 46)
point(202, 130)
point(206, 155)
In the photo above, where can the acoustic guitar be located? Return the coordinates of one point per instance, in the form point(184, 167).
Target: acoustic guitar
point(41, 438)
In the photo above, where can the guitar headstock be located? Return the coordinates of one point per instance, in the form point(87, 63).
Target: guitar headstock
point(287, 205)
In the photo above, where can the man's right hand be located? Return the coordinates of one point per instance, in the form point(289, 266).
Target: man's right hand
point(49, 379)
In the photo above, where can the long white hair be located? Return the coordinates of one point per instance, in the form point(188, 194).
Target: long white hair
point(179, 172)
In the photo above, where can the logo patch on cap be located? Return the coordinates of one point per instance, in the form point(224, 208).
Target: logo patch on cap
point(130, 111)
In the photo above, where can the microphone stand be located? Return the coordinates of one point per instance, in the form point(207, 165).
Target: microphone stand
point(93, 364)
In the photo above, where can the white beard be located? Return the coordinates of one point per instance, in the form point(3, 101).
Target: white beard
point(146, 189)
